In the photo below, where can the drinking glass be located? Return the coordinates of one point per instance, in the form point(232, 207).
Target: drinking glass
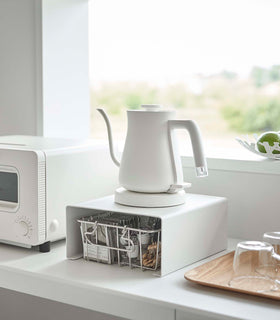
point(274, 239)
point(254, 267)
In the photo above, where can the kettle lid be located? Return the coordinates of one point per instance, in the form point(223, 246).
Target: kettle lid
point(151, 107)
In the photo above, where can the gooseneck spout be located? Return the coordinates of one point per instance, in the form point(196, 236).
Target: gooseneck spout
point(110, 138)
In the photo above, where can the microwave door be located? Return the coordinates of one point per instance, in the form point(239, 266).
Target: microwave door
point(9, 189)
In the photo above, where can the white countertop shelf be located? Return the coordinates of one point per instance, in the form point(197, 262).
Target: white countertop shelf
point(122, 292)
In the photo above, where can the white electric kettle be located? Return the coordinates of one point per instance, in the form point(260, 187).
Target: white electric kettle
point(150, 169)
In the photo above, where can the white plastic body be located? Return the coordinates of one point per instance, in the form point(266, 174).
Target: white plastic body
point(190, 232)
point(52, 173)
point(147, 161)
point(151, 161)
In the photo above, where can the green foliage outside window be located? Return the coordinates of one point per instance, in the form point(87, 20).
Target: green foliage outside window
point(245, 105)
point(263, 117)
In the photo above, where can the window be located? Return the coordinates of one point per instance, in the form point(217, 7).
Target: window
point(214, 61)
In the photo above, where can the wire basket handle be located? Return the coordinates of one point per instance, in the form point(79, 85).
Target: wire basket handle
point(91, 233)
point(130, 242)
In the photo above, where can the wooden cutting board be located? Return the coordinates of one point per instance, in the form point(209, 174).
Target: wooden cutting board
point(217, 274)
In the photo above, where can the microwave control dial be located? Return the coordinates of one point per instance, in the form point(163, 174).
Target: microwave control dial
point(23, 227)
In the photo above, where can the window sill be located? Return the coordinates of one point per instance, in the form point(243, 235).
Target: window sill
point(241, 162)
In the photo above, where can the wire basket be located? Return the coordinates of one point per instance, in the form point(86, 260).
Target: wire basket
point(123, 245)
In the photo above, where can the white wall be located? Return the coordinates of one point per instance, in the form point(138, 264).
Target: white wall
point(65, 68)
point(44, 82)
point(18, 109)
point(254, 198)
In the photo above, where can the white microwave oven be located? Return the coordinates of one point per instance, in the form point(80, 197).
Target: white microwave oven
point(39, 177)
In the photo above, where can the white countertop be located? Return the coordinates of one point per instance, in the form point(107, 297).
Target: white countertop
point(123, 292)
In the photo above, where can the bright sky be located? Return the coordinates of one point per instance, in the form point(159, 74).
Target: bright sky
point(170, 40)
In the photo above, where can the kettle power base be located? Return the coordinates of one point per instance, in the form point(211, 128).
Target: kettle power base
point(149, 200)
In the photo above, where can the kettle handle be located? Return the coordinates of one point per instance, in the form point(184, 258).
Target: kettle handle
point(197, 146)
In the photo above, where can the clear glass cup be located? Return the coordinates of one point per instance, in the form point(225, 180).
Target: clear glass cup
point(274, 239)
point(254, 267)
